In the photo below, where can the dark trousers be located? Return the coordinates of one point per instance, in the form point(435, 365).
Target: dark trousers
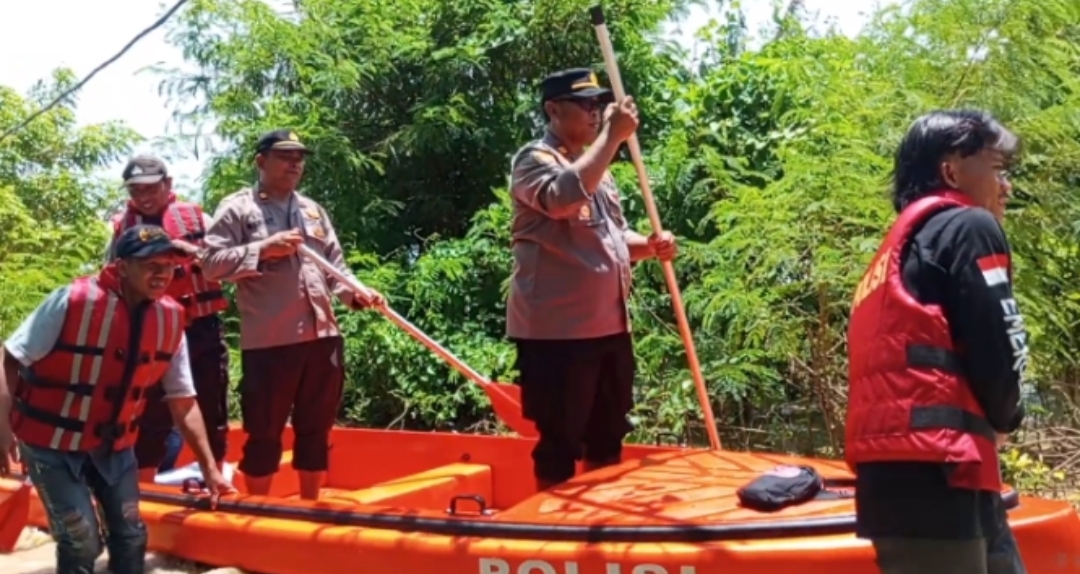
point(920, 524)
point(578, 393)
point(306, 380)
point(996, 555)
point(210, 368)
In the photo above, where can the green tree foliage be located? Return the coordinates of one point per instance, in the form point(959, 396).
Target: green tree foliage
point(770, 159)
point(771, 163)
point(50, 198)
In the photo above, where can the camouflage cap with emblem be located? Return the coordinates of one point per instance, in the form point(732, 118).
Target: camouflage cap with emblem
point(141, 241)
point(285, 140)
point(574, 83)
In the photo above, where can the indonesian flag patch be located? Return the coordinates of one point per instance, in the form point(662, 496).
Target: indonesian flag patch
point(995, 269)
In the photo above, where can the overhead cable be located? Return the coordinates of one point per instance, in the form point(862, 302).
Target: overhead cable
point(68, 92)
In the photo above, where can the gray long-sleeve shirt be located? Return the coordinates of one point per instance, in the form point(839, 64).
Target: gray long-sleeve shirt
point(282, 301)
point(571, 276)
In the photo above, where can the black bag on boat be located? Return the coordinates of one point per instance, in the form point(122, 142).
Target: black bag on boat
point(784, 486)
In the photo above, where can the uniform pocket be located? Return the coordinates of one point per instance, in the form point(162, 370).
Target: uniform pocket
point(315, 230)
point(255, 227)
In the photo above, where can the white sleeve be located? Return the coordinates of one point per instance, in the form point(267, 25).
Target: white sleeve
point(36, 336)
point(178, 383)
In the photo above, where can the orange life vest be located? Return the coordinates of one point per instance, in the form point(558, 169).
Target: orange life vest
point(90, 388)
point(908, 398)
point(183, 221)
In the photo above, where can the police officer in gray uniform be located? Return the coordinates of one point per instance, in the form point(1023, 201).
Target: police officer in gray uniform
point(291, 349)
point(568, 309)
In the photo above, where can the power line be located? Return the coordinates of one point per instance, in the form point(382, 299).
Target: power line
point(104, 65)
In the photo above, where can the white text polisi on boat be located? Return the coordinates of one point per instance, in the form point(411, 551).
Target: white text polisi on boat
point(500, 566)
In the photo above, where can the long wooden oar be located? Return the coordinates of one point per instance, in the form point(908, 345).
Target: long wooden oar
point(654, 217)
point(505, 399)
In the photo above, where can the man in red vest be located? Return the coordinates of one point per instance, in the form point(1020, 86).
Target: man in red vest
point(73, 385)
point(152, 201)
point(937, 350)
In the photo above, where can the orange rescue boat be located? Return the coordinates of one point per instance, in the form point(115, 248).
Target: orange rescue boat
point(444, 503)
point(15, 497)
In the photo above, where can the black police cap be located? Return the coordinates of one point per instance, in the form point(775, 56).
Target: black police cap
point(280, 139)
point(574, 83)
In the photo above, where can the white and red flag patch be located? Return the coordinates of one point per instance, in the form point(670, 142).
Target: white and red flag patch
point(995, 269)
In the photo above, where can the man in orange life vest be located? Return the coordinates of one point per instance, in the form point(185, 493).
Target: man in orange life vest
point(937, 350)
point(152, 201)
point(73, 384)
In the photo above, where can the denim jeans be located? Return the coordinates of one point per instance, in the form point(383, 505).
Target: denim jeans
point(173, 444)
point(68, 484)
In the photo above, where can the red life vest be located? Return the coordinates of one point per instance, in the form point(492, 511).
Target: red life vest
point(183, 221)
point(90, 388)
point(908, 399)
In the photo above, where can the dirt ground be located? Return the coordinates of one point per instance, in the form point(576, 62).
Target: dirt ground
point(35, 554)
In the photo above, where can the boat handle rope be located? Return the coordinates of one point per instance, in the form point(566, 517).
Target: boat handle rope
point(192, 486)
point(384, 518)
point(675, 438)
point(479, 500)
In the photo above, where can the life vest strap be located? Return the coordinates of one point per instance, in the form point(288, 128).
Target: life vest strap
point(79, 349)
point(51, 419)
point(946, 417)
point(112, 393)
point(104, 431)
point(32, 380)
point(928, 357)
point(204, 297)
point(156, 357)
point(112, 432)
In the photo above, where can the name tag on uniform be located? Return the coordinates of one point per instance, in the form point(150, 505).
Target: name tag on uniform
point(313, 223)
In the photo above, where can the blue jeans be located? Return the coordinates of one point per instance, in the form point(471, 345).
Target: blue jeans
point(68, 484)
point(173, 444)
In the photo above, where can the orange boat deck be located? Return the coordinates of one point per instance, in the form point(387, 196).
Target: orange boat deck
point(432, 502)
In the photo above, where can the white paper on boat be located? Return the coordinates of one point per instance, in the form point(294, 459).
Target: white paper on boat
point(177, 476)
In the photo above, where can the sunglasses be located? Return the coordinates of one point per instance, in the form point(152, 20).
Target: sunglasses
point(587, 104)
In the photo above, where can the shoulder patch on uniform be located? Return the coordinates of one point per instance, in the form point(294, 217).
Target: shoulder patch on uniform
point(306, 204)
point(544, 157)
point(234, 196)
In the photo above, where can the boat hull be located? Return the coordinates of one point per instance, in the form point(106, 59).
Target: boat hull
point(16, 498)
point(430, 502)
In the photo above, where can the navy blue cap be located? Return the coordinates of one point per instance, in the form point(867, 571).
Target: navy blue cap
point(141, 241)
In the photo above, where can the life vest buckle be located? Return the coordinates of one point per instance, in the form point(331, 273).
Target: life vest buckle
point(116, 431)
